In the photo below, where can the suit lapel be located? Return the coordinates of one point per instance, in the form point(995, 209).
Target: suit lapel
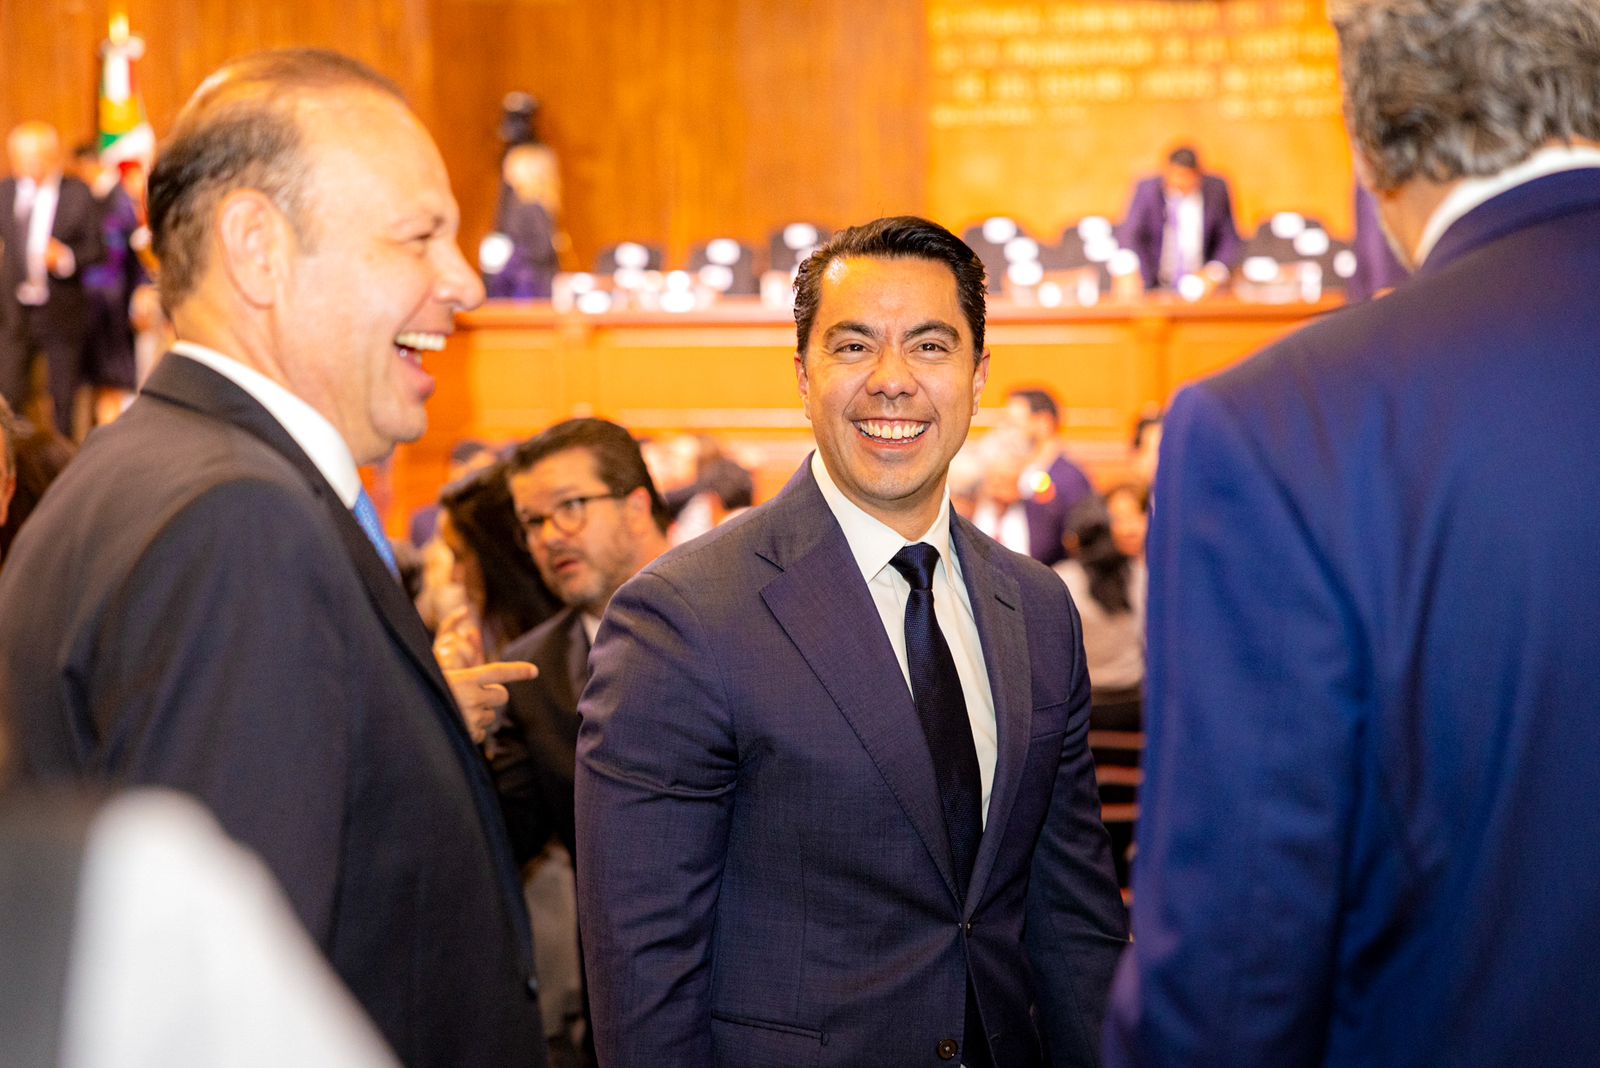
point(997, 610)
point(821, 602)
point(192, 385)
point(577, 661)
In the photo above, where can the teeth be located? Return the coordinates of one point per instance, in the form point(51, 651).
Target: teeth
point(890, 430)
point(419, 341)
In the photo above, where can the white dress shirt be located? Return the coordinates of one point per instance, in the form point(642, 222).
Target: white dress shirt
point(1189, 238)
point(873, 544)
point(40, 199)
point(308, 427)
point(1469, 193)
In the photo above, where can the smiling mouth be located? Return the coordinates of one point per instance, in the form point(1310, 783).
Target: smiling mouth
point(890, 431)
point(413, 343)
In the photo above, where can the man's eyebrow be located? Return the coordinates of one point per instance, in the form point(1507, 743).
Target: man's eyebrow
point(934, 326)
point(851, 326)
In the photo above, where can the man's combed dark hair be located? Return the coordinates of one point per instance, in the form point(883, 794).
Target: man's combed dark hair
point(617, 459)
point(240, 131)
point(897, 237)
point(1039, 401)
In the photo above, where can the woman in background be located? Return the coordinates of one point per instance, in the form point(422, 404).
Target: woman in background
point(505, 597)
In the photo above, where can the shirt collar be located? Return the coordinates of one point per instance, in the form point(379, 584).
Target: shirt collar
point(1469, 193)
point(308, 427)
point(872, 542)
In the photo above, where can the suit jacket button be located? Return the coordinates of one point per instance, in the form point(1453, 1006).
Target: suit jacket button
point(533, 986)
point(948, 1048)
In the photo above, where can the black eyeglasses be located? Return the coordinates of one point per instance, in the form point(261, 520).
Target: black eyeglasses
point(568, 516)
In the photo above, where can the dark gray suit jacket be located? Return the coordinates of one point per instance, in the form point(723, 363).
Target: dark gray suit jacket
point(192, 606)
point(762, 857)
point(534, 755)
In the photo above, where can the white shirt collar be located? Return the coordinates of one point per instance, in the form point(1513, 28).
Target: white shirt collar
point(872, 542)
point(308, 427)
point(1469, 193)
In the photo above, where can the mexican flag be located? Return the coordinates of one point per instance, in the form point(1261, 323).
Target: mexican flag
point(125, 132)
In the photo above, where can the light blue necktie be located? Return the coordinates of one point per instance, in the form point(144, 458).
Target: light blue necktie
point(367, 515)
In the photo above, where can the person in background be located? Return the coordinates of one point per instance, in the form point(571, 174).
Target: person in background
point(1051, 484)
point(527, 227)
point(109, 365)
point(1373, 741)
point(592, 519)
point(506, 596)
point(1146, 447)
point(38, 456)
point(8, 463)
point(1106, 577)
point(49, 234)
point(1180, 223)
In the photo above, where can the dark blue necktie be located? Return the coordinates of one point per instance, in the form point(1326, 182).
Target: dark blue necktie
point(936, 689)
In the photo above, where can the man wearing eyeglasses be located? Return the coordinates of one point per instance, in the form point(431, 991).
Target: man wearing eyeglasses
point(592, 518)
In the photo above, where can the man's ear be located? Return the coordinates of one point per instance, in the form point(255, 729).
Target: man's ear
point(802, 382)
point(253, 242)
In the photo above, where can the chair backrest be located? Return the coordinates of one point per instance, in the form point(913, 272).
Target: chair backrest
point(792, 243)
point(726, 265)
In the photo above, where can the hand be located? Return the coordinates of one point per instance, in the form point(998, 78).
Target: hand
point(481, 693)
point(459, 642)
point(58, 259)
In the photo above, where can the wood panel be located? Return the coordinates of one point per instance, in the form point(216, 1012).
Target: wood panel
point(513, 369)
point(679, 120)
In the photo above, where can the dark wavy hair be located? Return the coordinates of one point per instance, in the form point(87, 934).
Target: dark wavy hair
point(515, 598)
point(1107, 568)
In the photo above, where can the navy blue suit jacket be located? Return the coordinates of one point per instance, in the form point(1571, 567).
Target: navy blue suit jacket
point(763, 868)
point(1374, 688)
point(193, 606)
point(1144, 227)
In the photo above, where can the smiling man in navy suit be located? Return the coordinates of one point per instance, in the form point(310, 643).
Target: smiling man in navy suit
point(1374, 629)
point(835, 800)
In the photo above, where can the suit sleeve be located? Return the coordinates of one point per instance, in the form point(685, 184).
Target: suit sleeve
point(655, 786)
point(1228, 247)
point(1255, 702)
point(219, 671)
point(86, 234)
point(1076, 924)
point(525, 801)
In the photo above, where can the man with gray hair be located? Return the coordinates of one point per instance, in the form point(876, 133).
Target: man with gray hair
point(1375, 604)
point(205, 599)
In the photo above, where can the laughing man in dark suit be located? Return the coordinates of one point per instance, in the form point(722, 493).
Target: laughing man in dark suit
point(204, 599)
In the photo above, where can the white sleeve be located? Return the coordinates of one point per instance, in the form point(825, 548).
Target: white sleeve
point(185, 953)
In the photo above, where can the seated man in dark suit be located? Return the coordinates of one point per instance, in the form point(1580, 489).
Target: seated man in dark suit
point(1373, 711)
point(1180, 223)
point(205, 600)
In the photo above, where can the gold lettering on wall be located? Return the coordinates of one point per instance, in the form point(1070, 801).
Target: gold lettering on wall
point(1078, 97)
